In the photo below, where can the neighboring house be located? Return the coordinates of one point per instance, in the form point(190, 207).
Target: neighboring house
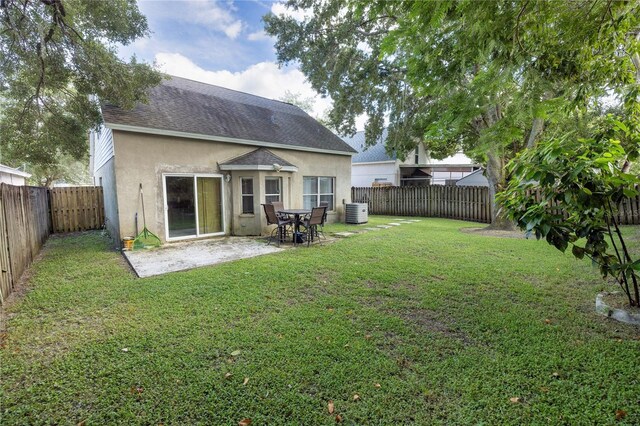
point(373, 166)
point(476, 178)
point(13, 176)
point(208, 157)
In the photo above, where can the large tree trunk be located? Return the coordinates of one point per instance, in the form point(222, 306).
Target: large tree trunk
point(536, 128)
point(494, 173)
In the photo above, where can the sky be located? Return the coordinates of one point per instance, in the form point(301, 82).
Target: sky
point(222, 43)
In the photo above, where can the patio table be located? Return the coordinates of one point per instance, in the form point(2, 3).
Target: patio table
point(297, 214)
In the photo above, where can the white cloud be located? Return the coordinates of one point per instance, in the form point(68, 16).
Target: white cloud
point(298, 15)
point(215, 15)
point(212, 14)
point(258, 36)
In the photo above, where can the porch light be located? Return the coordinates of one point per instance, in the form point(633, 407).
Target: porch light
point(277, 167)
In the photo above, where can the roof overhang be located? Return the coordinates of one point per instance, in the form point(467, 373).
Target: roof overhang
point(163, 132)
point(15, 172)
point(231, 167)
point(364, 163)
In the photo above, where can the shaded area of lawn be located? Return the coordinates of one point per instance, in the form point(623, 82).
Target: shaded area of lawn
point(426, 324)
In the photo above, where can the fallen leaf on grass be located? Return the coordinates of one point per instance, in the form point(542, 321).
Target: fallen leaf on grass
point(125, 349)
point(515, 399)
point(137, 389)
point(246, 380)
point(338, 418)
point(377, 385)
point(555, 374)
point(620, 414)
point(356, 397)
point(367, 336)
point(228, 375)
point(244, 422)
point(330, 407)
point(547, 321)
point(236, 353)
point(82, 423)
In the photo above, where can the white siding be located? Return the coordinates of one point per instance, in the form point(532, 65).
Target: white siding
point(103, 148)
point(363, 175)
point(12, 179)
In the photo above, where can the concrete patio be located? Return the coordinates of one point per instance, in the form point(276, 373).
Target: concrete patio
point(193, 254)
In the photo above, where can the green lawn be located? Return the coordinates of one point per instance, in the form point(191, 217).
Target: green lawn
point(426, 324)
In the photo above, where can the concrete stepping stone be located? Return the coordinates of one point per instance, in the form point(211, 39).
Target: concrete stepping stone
point(372, 229)
point(344, 234)
point(394, 224)
point(383, 226)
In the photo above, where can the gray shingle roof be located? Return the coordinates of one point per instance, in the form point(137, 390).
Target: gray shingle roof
point(258, 157)
point(182, 105)
point(369, 154)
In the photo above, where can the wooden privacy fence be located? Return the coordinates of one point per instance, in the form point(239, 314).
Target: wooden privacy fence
point(24, 226)
point(628, 212)
point(454, 202)
point(76, 208)
point(28, 215)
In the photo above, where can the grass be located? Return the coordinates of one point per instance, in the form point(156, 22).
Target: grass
point(426, 324)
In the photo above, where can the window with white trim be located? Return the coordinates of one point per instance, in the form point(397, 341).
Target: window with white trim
point(247, 195)
point(272, 189)
point(318, 189)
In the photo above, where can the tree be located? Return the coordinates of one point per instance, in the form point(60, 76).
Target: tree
point(305, 104)
point(483, 76)
point(567, 191)
point(57, 61)
point(66, 168)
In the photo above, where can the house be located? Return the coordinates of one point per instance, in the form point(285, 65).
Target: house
point(476, 178)
point(13, 176)
point(374, 166)
point(207, 157)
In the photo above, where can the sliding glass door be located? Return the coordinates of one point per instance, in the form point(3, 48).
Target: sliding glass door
point(194, 206)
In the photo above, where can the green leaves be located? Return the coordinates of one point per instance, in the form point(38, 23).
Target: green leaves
point(568, 189)
point(57, 62)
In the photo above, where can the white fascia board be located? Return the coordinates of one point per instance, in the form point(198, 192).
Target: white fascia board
point(15, 172)
point(373, 162)
point(162, 132)
point(231, 167)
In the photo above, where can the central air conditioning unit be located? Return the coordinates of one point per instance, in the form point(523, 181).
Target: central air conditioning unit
point(356, 213)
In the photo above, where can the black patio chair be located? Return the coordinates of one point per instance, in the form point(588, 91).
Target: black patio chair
point(278, 206)
point(324, 204)
point(280, 232)
point(311, 224)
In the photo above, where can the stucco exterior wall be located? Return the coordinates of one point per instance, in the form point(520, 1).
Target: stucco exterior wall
point(106, 177)
point(144, 158)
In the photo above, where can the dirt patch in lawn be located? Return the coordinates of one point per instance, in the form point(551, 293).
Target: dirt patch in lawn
point(485, 232)
point(432, 322)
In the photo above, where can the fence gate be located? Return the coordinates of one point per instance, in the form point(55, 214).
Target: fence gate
point(77, 208)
